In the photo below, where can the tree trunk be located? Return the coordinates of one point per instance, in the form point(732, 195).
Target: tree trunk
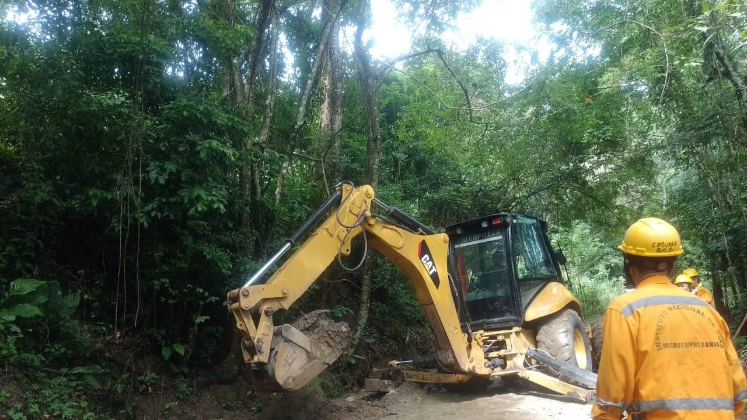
point(723, 63)
point(264, 131)
point(373, 139)
point(738, 81)
point(245, 98)
point(718, 293)
point(303, 103)
point(369, 83)
point(330, 109)
point(724, 267)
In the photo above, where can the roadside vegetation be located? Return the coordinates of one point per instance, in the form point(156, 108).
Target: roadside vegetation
point(155, 153)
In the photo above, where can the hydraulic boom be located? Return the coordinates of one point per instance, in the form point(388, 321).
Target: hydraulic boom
point(287, 357)
point(422, 256)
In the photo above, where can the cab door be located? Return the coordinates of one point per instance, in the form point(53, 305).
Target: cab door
point(484, 274)
point(534, 265)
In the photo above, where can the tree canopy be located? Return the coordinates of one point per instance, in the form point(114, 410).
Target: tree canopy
point(154, 153)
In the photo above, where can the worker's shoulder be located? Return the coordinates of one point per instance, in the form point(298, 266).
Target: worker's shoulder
point(659, 294)
point(626, 299)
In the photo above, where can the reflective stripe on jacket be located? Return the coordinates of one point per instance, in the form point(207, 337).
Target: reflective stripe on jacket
point(668, 354)
point(703, 293)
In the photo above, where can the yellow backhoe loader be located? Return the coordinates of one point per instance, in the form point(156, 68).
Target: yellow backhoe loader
point(490, 288)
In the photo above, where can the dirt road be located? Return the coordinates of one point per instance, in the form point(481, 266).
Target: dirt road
point(239, 401)
point(411, 402)
point(498, 404)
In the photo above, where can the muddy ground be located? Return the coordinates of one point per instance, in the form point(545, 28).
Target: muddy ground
point(409, 402)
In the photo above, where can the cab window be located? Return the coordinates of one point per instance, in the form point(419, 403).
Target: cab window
point(483, 273)
point(532, 257)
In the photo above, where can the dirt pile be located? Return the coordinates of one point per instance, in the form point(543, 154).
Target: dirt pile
point(319, 327)
point(302, 351)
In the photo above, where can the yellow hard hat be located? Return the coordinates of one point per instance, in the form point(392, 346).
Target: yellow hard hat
point(691, 272)
point(683, 279)
point(651, 237)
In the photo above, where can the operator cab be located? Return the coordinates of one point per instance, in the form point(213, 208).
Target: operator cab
point(499, 263)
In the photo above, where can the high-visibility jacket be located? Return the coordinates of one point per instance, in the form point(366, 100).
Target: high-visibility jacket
point(667, 354)
point(703, 293)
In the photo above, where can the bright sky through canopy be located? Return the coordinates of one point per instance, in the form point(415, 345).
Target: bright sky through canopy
point(509, 21)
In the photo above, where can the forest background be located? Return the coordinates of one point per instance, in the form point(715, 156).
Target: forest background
point(153, 153)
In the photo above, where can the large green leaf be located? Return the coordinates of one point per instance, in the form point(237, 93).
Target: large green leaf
point(23, 286)
point(166, 352)
point(6, 316)
point(178, 348)
point(25, 310)
point(92, 381)
point(63, 306)
point(35, 298)
point(69, 305)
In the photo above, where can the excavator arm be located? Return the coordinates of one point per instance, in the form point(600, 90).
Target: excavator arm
point(287, 358)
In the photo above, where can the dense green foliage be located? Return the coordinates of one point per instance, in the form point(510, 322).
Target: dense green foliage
point(153, 153)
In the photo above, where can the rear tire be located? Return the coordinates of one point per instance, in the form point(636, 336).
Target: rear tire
point(596, 341)
point(564, 338)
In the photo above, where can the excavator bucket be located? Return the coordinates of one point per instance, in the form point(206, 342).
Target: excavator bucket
point(300, 352)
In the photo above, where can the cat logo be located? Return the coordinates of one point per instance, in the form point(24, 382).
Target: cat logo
point(427, 259)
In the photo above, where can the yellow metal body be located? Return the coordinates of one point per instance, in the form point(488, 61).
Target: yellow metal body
point(462, 355)
point(513, 344)
point(254, 306)
point(554, 297)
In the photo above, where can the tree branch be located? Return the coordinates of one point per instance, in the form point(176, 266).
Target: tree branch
point(404, 57)
point(668, 66)
point(6, 116)
point(467, 100)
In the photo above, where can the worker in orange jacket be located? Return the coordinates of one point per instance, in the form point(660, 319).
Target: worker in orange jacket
point(667, 354)
point(684, 283)
point(698, 289)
